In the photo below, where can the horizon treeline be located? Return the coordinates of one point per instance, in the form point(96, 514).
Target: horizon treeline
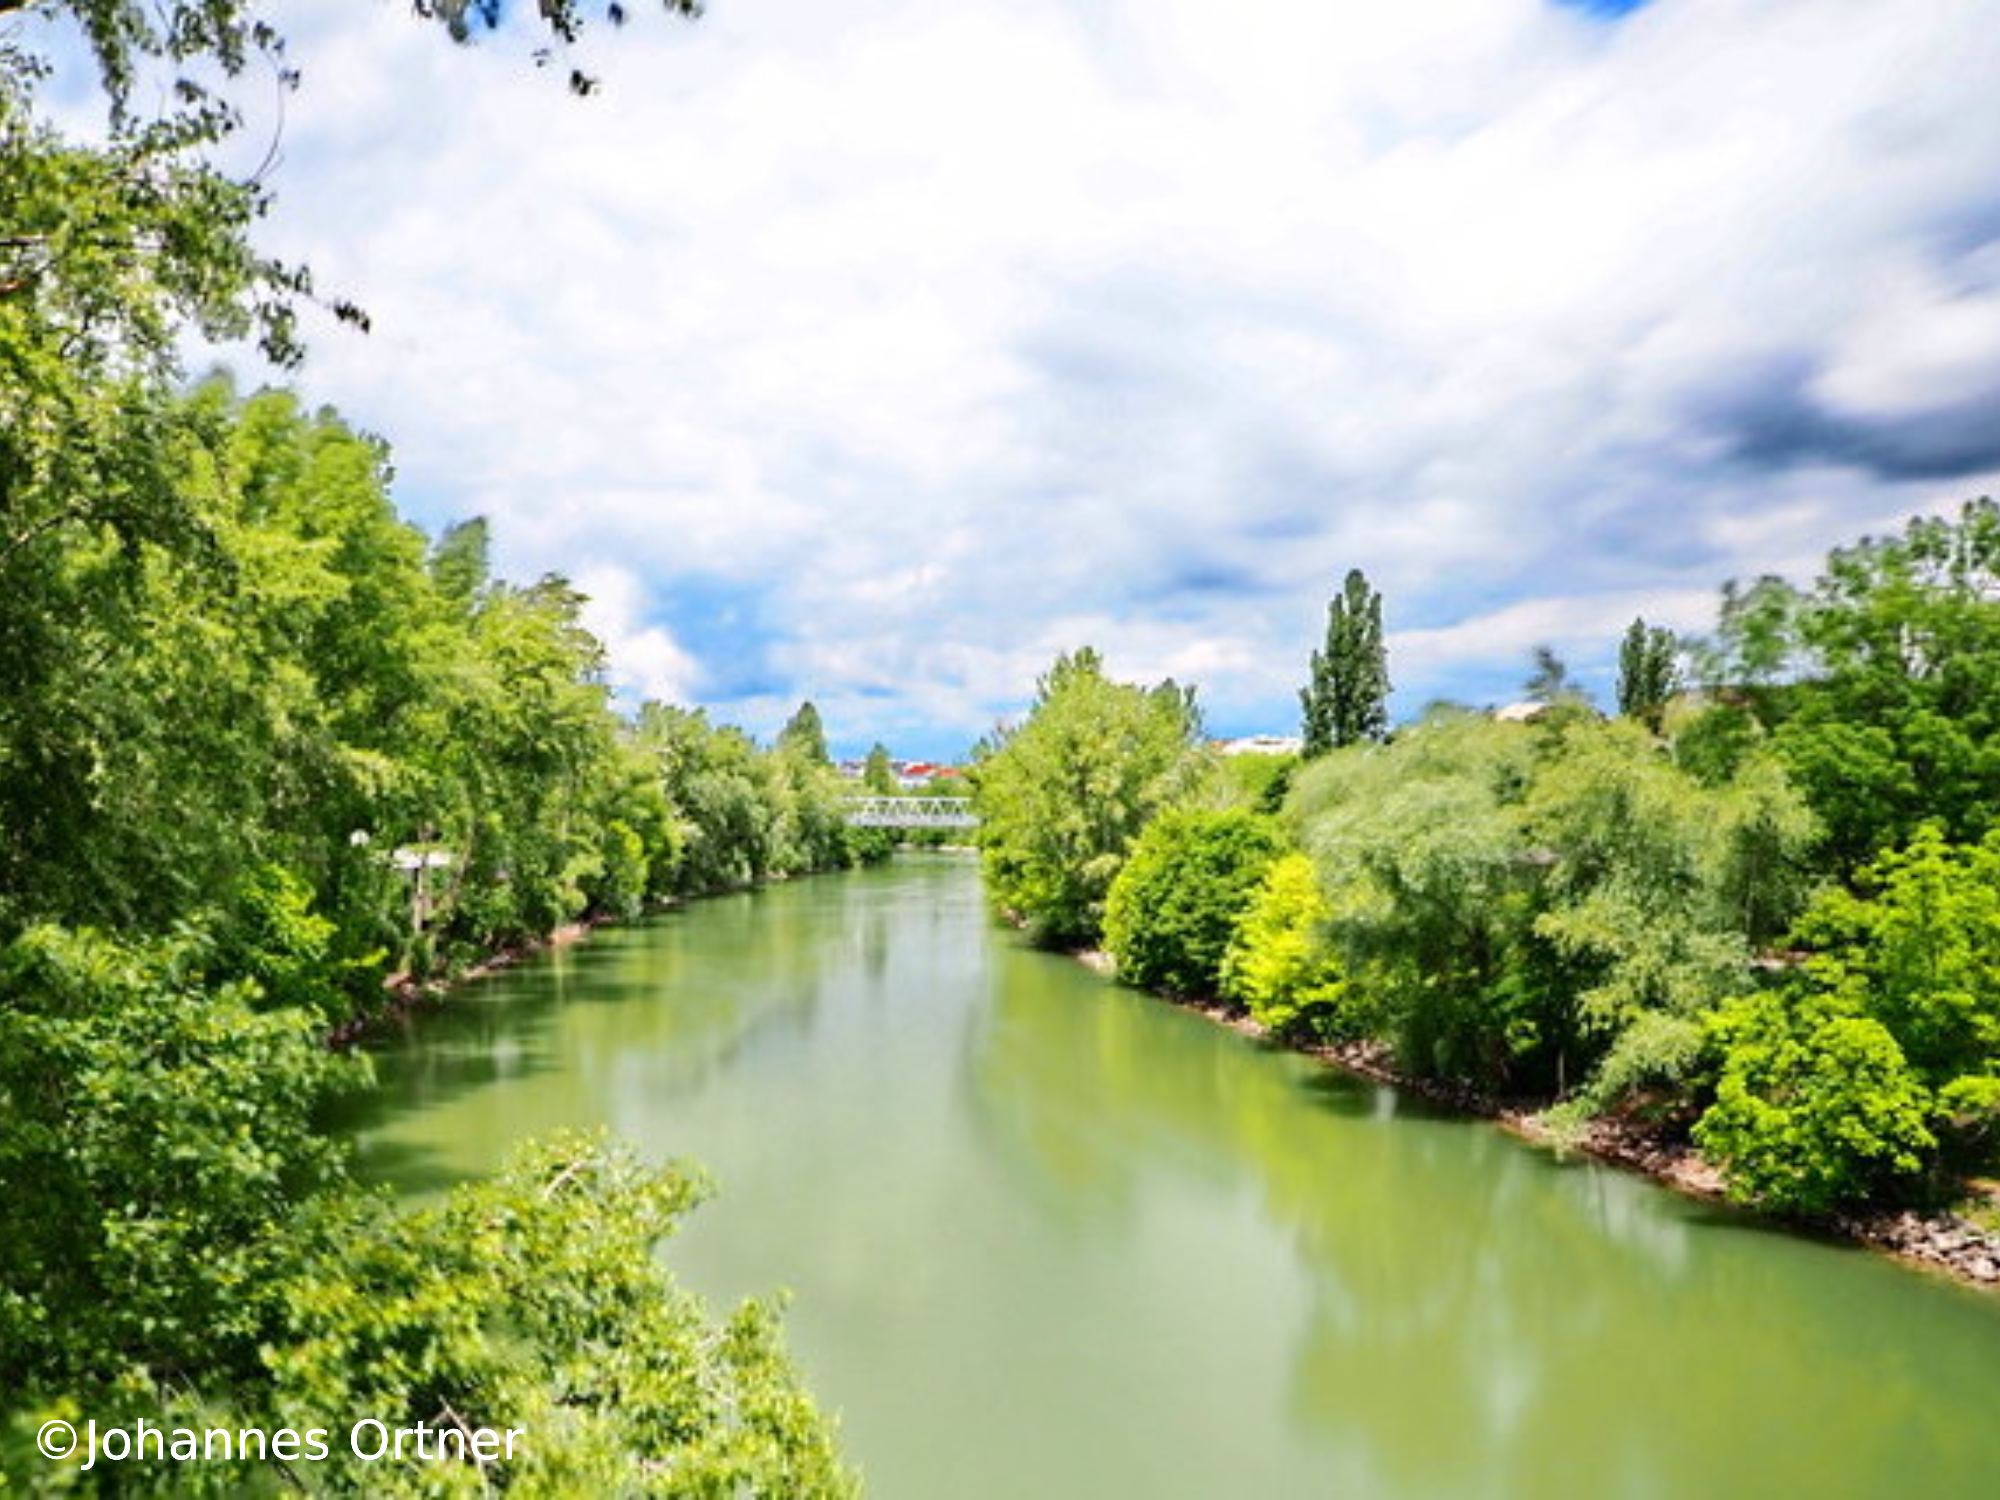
point(1758, 910)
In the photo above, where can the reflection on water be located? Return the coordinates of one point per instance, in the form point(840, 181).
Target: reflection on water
point(1051, 1238)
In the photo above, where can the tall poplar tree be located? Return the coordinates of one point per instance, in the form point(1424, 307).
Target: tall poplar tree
point(1347, 698)
point(1647, 674)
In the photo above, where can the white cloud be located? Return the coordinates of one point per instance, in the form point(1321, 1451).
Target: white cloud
point(645, 660)
point(942, 337)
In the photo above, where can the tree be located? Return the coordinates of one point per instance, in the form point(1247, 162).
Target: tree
point(878, 773)
point(125, 34)
point(1280, 965)
point(1917, 948)
point(1063, 797)
point(1419, 851)
point(1172, 910)
point(1648, 673)
point(233, 682)
point(1508, 906)
point(1346, 698)
point(804, 736)
point(1756, 634)
point(156, 1134)
point(1897, 722)
point(1550, 682)
point(460, 560)
point(537, 1299)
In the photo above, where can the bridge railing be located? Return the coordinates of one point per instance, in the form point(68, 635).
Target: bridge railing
point(911, 812)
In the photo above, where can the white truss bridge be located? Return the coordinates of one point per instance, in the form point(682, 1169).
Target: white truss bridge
point(911, 812)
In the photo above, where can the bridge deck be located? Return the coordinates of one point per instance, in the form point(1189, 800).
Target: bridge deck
point(911, 812)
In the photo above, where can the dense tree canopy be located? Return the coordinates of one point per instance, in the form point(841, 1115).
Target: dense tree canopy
point(1063, 796)
point(1892, 718)
point(290, 750)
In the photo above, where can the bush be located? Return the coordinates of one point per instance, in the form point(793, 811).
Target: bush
point(1173, 909)
point(1816, 1108)
point(1278, 965)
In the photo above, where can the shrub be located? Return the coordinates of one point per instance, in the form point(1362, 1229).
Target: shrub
point(1173, 909)
point(1278, 965)
point(1816, 1108)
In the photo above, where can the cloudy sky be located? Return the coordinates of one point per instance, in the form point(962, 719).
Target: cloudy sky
point(875, 351)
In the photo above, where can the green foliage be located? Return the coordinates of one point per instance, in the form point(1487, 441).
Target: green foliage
point(1896, 1018)
point(741, 814)
point(1892, 714)
point(126, 36)
point(1346, 698)
point(1279, 965)
point(1509, 900)
point(1174, 907)
point(1648, 671)
point(1062, 798)
point(535, 1300)
point(1418, 847)
point(1658, 886)
point(460, 562)
point(878, 775)
point(1658, 1051)
point(1258, 782)
point(1756, 634)
point(1711, 740)
point(1816, 1107)
point(1921, 940)
point(804, 735)
point(273, 937)
point(233, 685)
point(155, 1131)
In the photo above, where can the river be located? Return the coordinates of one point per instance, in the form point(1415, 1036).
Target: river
point(1049, 1238)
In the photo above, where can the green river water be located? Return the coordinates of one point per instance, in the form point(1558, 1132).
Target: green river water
point(1049, 1238)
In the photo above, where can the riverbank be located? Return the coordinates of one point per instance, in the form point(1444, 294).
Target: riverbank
point(406, 995)
point(1940, 1242)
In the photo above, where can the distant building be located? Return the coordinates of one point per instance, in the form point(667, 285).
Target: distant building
point(1529, 712)
point(1260, 744)
point(910, 775)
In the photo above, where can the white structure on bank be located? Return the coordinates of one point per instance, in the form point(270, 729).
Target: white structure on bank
point(1261, 744)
